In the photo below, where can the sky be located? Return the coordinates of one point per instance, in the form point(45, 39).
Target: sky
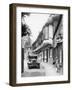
point(35, 23)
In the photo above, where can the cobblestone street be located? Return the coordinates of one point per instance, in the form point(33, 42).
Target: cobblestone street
point(46, 69)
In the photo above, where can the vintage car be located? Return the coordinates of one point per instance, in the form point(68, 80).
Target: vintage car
point(33, 64)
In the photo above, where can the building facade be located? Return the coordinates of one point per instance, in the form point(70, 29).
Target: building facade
point(49, 43)
point(44, 43)
point(58, 43)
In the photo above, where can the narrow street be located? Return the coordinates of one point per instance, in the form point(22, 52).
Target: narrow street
point(46, 69)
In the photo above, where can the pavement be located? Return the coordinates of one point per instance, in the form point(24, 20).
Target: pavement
point(50, 70)
point(46, 69)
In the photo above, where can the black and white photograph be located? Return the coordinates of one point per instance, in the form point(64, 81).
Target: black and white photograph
point(41, 44)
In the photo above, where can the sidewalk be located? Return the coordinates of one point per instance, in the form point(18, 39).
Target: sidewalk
point(50, 70)
point(46, 69)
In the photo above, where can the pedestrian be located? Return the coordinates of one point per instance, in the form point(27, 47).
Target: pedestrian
point(57, 65)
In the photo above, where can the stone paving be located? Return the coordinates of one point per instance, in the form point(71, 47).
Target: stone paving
point(46, 69)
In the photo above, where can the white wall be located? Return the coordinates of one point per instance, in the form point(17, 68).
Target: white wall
point(4, 45)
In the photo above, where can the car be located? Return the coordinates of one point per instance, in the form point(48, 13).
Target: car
point(33, 64)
